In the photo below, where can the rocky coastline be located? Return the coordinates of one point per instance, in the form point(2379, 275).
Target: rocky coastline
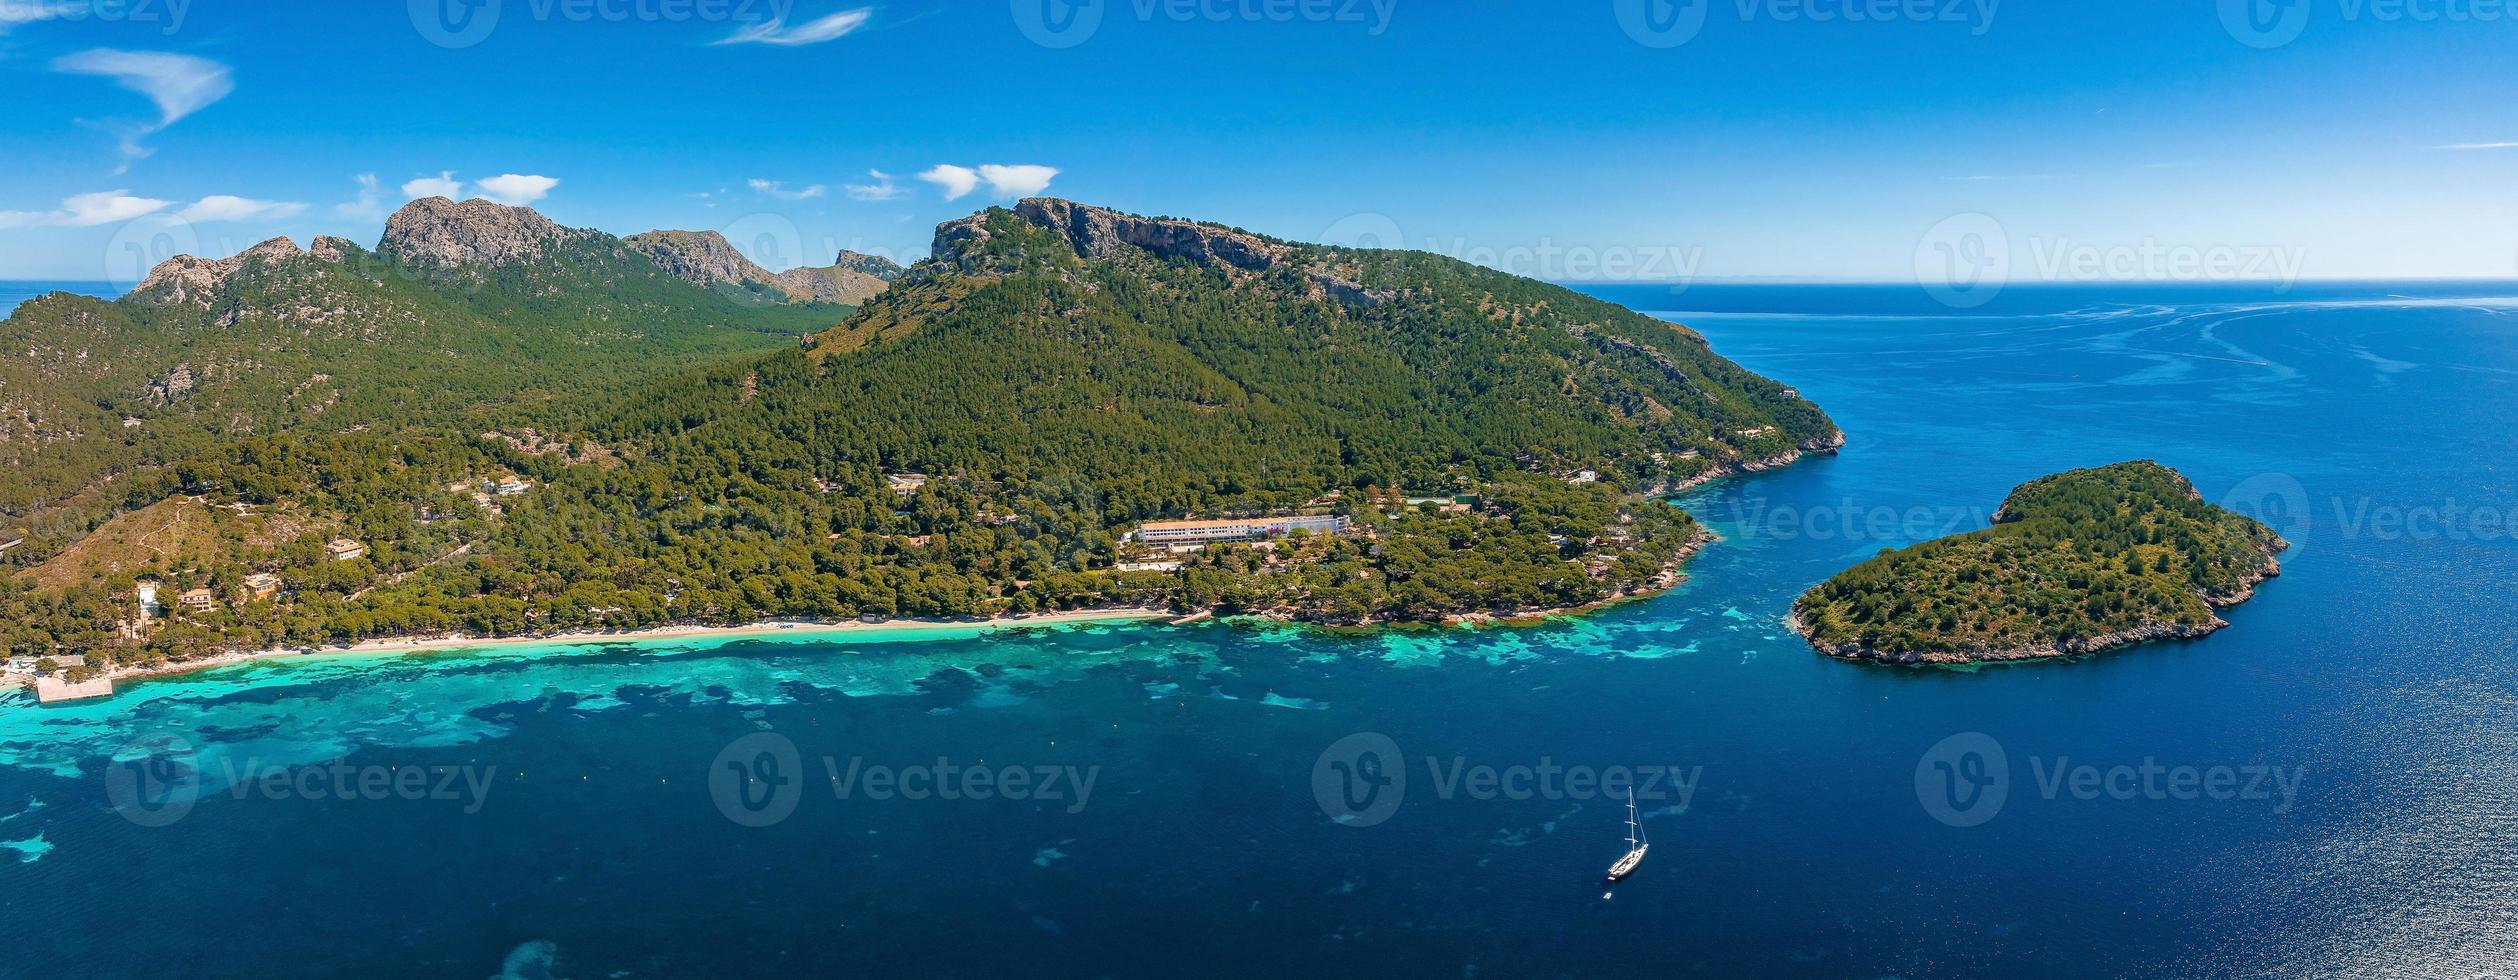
point(2058, 649)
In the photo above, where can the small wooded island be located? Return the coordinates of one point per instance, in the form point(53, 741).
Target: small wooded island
point(2075, 563)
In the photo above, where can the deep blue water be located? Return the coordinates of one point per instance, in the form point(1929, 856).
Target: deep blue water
point(16, 291)
point(2375, 675)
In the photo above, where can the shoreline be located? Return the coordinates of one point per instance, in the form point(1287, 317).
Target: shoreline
point(2147, 632)
point(406, 645)
point(1673, 575)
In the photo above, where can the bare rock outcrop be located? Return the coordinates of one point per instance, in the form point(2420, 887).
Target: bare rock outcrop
point(186, 279)
point(473, 234)
point(701, 258)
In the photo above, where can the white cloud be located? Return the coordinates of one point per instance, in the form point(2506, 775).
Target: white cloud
point(227, 207)
point(87, 210)
point(369, 204)
point(881, 190)
point(518, 189)
point(1020, 180)
point(957, 182)
point(15, 12)
point(775, 30)
point(1003, 180)
point(2478, 146)
point(443, 185)
point(779, 190)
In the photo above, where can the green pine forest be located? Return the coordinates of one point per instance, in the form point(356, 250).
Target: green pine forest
point(2071, 561)
point(690, 462)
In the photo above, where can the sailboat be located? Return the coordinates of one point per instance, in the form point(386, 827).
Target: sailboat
point(1636, 844)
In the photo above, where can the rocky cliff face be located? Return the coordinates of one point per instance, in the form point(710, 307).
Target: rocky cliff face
point(701, 258)
point(1096, 233)
point(872, 265)
point(436, 231)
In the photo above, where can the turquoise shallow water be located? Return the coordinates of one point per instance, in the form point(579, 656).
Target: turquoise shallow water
point(1805, 829)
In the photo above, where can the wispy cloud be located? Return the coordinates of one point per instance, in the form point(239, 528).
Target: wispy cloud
point(2478, 146)
point(178, 84)
point(1003, 180)
point(881, 190)
point(368, 205)
point(818, 31)
point(517, 189)
point(778, 189)
point(87, 210)
point(443, 185)
point(227, 207)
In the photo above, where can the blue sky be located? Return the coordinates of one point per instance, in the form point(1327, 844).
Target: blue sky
point(1618, 139)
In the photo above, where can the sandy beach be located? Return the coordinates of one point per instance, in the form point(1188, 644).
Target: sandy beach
point(788, 627)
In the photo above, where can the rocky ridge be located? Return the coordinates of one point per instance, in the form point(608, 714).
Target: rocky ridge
point(701, 258)
point(437, 231)
point(1096, 233)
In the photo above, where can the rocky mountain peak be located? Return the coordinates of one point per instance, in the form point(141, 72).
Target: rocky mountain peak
point(330, 248)
point(872, 265)
point(435, 230)
point(1099, 233)
point(189, 279)
point(701, 258)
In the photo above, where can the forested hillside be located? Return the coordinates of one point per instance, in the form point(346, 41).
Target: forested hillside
point(467, 317)
point(978, 439)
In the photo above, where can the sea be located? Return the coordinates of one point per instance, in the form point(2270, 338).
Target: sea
point(2329, 787)
point(17, 291)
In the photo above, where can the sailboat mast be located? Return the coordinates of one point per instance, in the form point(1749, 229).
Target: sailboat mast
point(1633, 826)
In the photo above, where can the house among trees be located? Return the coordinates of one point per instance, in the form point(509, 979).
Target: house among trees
point(198, 600)
point(261, 585)
point(344, 549)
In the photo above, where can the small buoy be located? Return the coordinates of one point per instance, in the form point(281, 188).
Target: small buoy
point(1605, 896)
